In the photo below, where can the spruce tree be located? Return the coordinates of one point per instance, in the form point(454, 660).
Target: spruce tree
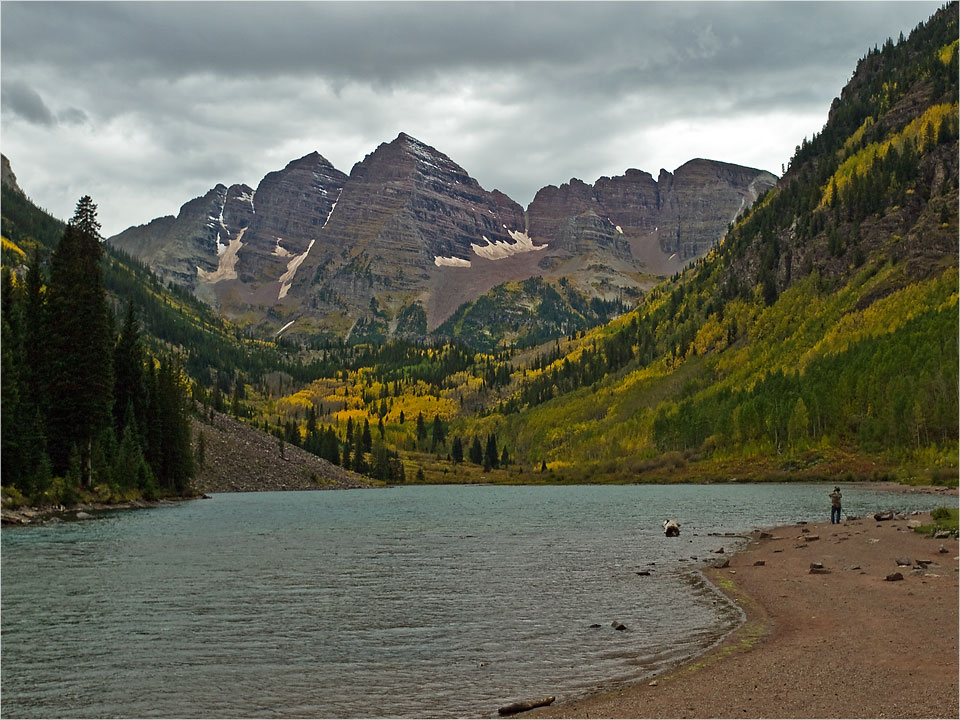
point(490, 457)
point(366, 440)
point(439, 435)
point(79, 370)
point(34, 331)
point(476, 452)
point(128, 388)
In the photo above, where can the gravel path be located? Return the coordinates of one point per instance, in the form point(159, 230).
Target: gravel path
point(846, 643)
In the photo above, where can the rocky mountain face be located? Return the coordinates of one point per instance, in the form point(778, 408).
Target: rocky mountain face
point(407, 214)
point(660, 224)
point(395, 248)
point(6, 175)
point(187, 249)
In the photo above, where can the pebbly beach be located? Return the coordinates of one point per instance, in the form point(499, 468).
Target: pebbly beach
point(856, 619)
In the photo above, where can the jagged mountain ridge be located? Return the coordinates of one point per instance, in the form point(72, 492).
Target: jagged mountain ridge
point(409, 236)
point(678, 214)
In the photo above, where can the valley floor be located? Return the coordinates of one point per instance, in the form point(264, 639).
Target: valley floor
point(842, 644)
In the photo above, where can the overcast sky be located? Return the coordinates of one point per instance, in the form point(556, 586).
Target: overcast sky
point(147, 105)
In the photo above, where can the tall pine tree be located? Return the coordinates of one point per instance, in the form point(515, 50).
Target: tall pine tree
point(80, 338)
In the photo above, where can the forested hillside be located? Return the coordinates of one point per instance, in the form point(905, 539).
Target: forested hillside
point(820, 337)
point(87, 412)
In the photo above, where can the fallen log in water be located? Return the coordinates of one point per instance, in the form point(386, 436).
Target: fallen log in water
point(524, 705)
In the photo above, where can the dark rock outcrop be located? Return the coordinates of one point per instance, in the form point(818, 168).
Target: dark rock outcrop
point(6, 175)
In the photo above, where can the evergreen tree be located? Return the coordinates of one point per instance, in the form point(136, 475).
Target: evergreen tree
point(380, 461)
point(201, 450)
point(359, 461)
point(490, 457)
point(476, 452)
point(366, 440)
point(456, 450)
point(421, 428)
point(11, 391)
point(439, 435)
point(331, 447)
point(173, 465)
point(34, 332)
point(235, 400)
point(80, 334)
point(128, 389)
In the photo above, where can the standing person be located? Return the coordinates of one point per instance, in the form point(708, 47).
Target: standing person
point(835, 498)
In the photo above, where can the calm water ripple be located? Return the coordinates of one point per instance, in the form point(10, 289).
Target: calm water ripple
point(417, 602)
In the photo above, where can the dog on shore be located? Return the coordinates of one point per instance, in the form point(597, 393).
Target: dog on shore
point(671, 528)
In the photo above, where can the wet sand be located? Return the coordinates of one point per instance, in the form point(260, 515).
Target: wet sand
point(846, 643)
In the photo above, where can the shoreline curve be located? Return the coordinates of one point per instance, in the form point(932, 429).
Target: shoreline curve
point(843, 643)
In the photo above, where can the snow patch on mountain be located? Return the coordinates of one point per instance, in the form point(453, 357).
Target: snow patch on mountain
point(286, 280)
point(451, 261)
point(500, 250)
point(279, 250)
point(227, 266)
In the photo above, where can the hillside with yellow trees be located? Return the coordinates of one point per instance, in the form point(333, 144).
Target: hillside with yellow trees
point(817, 340)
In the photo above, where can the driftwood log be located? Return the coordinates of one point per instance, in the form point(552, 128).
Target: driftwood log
point(524, 705)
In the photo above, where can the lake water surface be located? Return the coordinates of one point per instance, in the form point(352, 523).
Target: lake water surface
point(420, 601)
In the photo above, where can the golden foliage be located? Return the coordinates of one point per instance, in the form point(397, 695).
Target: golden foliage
point(947, 52)
point(13, 247)
point(861, 161)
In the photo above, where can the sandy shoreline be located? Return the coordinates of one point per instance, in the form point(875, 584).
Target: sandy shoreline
point(845, 643)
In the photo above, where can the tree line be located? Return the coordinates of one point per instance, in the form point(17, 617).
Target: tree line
point(87, 410)
point(894, 393)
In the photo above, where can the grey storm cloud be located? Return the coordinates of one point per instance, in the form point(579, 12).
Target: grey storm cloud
point(603, 45)
point(19, 98)
point(151, 103)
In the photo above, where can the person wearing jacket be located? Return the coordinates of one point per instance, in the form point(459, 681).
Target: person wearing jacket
point(835, 498)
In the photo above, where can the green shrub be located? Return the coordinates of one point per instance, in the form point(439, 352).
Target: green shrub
point(13, 498)
point(943, 519)
point(941, 513)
